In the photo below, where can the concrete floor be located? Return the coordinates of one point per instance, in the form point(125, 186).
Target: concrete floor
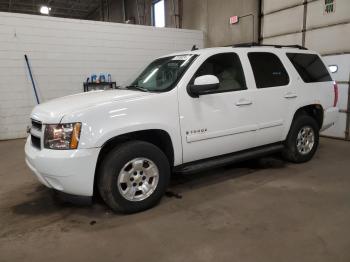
point(263, 210)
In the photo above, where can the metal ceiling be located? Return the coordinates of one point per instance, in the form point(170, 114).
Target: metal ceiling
point(81, 9)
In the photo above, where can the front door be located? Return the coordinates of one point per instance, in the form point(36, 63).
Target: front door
point(222, 121)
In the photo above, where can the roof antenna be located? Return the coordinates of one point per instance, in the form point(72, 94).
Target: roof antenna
point(194, 48)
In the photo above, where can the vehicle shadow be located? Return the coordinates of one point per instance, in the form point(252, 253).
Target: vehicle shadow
point(233, 171)
point(44, 209)
point(46, 201)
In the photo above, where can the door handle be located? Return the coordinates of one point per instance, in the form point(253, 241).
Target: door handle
point(243, 102)
point(290, 95)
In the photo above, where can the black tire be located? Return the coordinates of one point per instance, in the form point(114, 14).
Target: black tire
point(291, 152)
point(116, 160)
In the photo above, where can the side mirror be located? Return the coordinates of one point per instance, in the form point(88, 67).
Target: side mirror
point(203, 85)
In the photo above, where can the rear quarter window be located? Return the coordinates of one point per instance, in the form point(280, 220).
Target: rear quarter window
point(310, 67)
point(268, 70)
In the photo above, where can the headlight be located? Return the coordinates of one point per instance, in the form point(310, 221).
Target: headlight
point(62, 136)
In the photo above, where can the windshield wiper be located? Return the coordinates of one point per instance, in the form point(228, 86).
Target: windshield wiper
point(136, 87)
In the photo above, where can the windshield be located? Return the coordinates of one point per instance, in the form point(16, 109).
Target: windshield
point(162, 74)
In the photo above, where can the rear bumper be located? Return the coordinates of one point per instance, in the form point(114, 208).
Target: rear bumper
point(330, 116)
point(68, 171)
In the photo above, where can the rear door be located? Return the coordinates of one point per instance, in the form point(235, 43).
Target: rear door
point(275, 95)
point(317, 86)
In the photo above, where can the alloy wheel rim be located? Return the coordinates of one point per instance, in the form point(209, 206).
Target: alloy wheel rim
point(305, 140)
point(138, 179)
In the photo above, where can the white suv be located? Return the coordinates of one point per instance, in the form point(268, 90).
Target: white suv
point(185, 112)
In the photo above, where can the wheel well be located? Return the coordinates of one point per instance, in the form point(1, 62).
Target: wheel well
point(315, 111)
point(157, 137)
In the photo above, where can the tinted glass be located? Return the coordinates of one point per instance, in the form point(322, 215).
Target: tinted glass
point(227, 68)
point(310, 67)
point(268, 70)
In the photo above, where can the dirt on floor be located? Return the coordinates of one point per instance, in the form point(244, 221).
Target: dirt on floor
point(261, 210)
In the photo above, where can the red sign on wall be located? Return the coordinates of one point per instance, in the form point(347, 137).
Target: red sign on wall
point(233, 19)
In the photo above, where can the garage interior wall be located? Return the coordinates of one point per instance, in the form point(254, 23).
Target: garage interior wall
point(305, 23)
point(64, 52)
point(311, 24)
point(342, 76)
point(138, 12)
point(212, 17)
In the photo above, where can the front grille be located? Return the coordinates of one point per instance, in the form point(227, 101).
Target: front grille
point(36, 142)
point(36, 124)
point(36, 133)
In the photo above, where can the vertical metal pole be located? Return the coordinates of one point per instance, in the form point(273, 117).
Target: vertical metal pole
point(108, 11)
point(124, 12)
point(174, 13)
point(180, 11)
point(347, 129)
point(102, 10)
point(260, 17)
point(253, 28)
point(304, 23)
point(144, 20)
point(138, 12)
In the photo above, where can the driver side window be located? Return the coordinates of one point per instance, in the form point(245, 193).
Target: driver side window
point(227, 68)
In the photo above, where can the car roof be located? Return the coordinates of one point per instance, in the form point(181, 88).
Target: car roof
point(214, 50)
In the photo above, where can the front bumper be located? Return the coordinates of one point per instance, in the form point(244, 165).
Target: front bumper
point(69, 171)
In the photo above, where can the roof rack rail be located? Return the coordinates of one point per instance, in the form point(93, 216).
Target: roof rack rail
point(276, 46)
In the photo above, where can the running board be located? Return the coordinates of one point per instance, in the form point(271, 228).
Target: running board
point(201, 165)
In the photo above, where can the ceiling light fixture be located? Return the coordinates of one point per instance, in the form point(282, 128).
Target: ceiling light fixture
point(45, 10)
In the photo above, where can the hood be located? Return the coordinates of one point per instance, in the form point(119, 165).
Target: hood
point(52, 112)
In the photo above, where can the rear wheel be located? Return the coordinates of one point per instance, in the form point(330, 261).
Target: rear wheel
point(302, 140)
point(133, 177)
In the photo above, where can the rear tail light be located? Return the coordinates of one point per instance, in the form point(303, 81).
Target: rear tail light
point(336, 94)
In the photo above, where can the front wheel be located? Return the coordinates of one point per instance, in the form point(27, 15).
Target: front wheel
point(133, 177)
point(302, 140)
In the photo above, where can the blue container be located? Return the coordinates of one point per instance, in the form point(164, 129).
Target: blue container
point(93, 78)
point(102, 78)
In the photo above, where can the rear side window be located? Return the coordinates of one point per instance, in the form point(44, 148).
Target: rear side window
point(268, 70)
point(310, 67)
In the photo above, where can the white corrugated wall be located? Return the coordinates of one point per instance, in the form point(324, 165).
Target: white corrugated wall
point(64, 52)
point(306, 23)
point(342, 76)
